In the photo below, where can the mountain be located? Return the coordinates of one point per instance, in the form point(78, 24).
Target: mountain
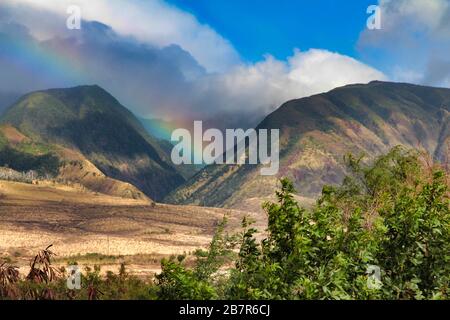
point(86, 123)
point(317, 131)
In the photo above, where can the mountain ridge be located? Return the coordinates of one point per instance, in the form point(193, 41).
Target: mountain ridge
point(317, 131)
point(90, 121)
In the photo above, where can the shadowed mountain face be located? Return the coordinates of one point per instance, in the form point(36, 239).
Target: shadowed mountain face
point(88, 120)
point(316, 132)
point(157, 128)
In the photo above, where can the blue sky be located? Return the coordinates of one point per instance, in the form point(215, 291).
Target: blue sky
point(258, 27)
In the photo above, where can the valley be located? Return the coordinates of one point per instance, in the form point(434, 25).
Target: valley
point(93, 228)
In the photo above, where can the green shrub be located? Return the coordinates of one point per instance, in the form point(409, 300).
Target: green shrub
point(204, 281)
point(43, 164)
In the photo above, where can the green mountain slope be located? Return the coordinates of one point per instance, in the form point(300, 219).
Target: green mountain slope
point(316, 132)
point(89, 121)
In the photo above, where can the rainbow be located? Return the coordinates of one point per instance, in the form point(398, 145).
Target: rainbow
point(163, 130)
point(33, 60)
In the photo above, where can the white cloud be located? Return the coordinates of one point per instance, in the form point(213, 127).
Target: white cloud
point(151, 21)
point(427, 13)
point(414, 41)
point(260, 88)
point(321, 70)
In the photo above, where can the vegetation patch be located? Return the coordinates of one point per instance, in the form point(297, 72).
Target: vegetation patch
point(18, 160)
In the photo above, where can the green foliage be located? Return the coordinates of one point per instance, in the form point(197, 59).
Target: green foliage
point(18, 160)
point(393, 214)
point(178, 283)
point(416, 248)
point(204, 281)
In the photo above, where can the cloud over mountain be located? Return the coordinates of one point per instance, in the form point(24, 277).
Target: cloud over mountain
point(167, 65)
point(151, 22)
